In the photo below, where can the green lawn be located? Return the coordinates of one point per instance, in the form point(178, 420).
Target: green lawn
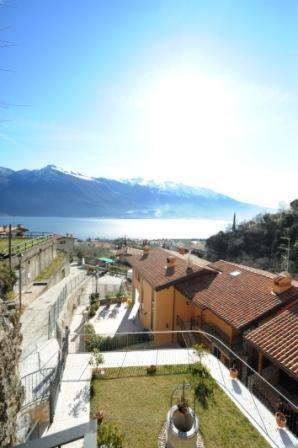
point(19, 244)
point(138, 404)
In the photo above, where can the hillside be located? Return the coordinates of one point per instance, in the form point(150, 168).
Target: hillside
point(53, 191)
point(261, 242)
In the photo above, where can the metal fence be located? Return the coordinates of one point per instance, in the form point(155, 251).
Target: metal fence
point(55, 310)
point(36, 385)
point(55, 383)
point(28, 242)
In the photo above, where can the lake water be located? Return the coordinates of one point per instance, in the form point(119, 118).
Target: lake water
point(113, 228)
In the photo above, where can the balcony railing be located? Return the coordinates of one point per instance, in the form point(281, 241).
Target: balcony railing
point(193, 324)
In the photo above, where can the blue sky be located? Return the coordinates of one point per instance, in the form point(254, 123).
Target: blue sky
point(203, 93)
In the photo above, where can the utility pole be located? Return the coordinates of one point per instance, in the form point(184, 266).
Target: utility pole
point(20, 280)
point(9, 246)
point(286, 248)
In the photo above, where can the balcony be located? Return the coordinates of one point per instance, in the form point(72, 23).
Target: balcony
point(211, 329)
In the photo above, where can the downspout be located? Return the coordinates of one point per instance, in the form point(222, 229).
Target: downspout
point(203, 308)
point(173, 316)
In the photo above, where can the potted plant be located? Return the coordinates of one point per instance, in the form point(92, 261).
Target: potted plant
point(281, 419)
point(99, 416)
point(183, 406)
point(234, 372)
point(151, 370)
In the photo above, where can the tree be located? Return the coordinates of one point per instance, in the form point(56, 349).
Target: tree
point(96, 359)
point(294, 205)
point(7, 281)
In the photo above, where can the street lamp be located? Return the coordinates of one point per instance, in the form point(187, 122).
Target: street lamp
point(96, 282)
point(20, 255)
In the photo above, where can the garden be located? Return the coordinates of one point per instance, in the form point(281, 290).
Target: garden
point(131, 406)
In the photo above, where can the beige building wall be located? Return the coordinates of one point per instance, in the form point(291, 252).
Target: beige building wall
point(163, 312)
point(146, 297)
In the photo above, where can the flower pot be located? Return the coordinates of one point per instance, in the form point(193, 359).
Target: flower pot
point(151, 370)
point(281, 419)
point(234, 373)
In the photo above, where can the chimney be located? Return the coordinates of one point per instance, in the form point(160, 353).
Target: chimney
point(146, 250)
point(282, 283)
point(171, 261)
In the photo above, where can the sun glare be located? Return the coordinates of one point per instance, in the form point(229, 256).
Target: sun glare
point(186, 110)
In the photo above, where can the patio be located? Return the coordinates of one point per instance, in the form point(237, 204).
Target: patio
point(116, 318)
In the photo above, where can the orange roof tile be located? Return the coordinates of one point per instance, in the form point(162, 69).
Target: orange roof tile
point(237, 299)
point(152, 268)
point(278, 339)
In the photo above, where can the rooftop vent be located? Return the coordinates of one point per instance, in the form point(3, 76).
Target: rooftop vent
point(235, 273)
point(146, 250)
point(171, 261)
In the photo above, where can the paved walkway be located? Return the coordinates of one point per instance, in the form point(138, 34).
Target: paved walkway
point(35, 318)
point(73, 405)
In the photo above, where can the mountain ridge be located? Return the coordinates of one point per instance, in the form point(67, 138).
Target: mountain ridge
point(54, 191)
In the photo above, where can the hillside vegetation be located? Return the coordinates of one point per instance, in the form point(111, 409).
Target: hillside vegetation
point(261, 242)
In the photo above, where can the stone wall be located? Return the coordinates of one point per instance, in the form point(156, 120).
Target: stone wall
point(11, 391)
point(35, 260)
point(62, 272)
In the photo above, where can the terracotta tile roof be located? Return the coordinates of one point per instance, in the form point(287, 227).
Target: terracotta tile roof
point(193, 258)
point(5, 229)
point(152, 268)
point(278, 339)
point(250, 269)
point(238, 299)
point(124, 251)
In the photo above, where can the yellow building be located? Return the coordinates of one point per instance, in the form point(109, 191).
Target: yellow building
point(222, 298)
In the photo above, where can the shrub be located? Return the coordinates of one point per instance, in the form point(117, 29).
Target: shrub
point(204, 390)
point(94, 298)
point(108, 436)
point(92, 340)
point(96, 359)
point(198, 370)
point(202, 383)
point(92, 391)
point(92, 312)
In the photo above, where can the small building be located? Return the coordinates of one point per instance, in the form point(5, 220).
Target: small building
point(127, 251)
point(17, 230)
point(65, 243)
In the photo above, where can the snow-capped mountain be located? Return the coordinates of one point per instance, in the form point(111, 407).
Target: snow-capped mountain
point(54, 191)
point(168, 186)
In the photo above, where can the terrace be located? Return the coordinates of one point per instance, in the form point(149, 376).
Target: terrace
point(21, 244)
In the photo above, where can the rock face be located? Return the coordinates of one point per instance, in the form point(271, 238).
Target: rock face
point(11, 391)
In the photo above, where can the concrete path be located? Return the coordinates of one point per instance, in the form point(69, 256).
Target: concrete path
point(260, 417)
point(34, 320)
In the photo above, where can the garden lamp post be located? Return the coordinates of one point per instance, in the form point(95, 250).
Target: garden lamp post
point(96, 282)
point(20, 255)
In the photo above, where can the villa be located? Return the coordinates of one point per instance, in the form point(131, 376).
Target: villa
point(224, 299)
